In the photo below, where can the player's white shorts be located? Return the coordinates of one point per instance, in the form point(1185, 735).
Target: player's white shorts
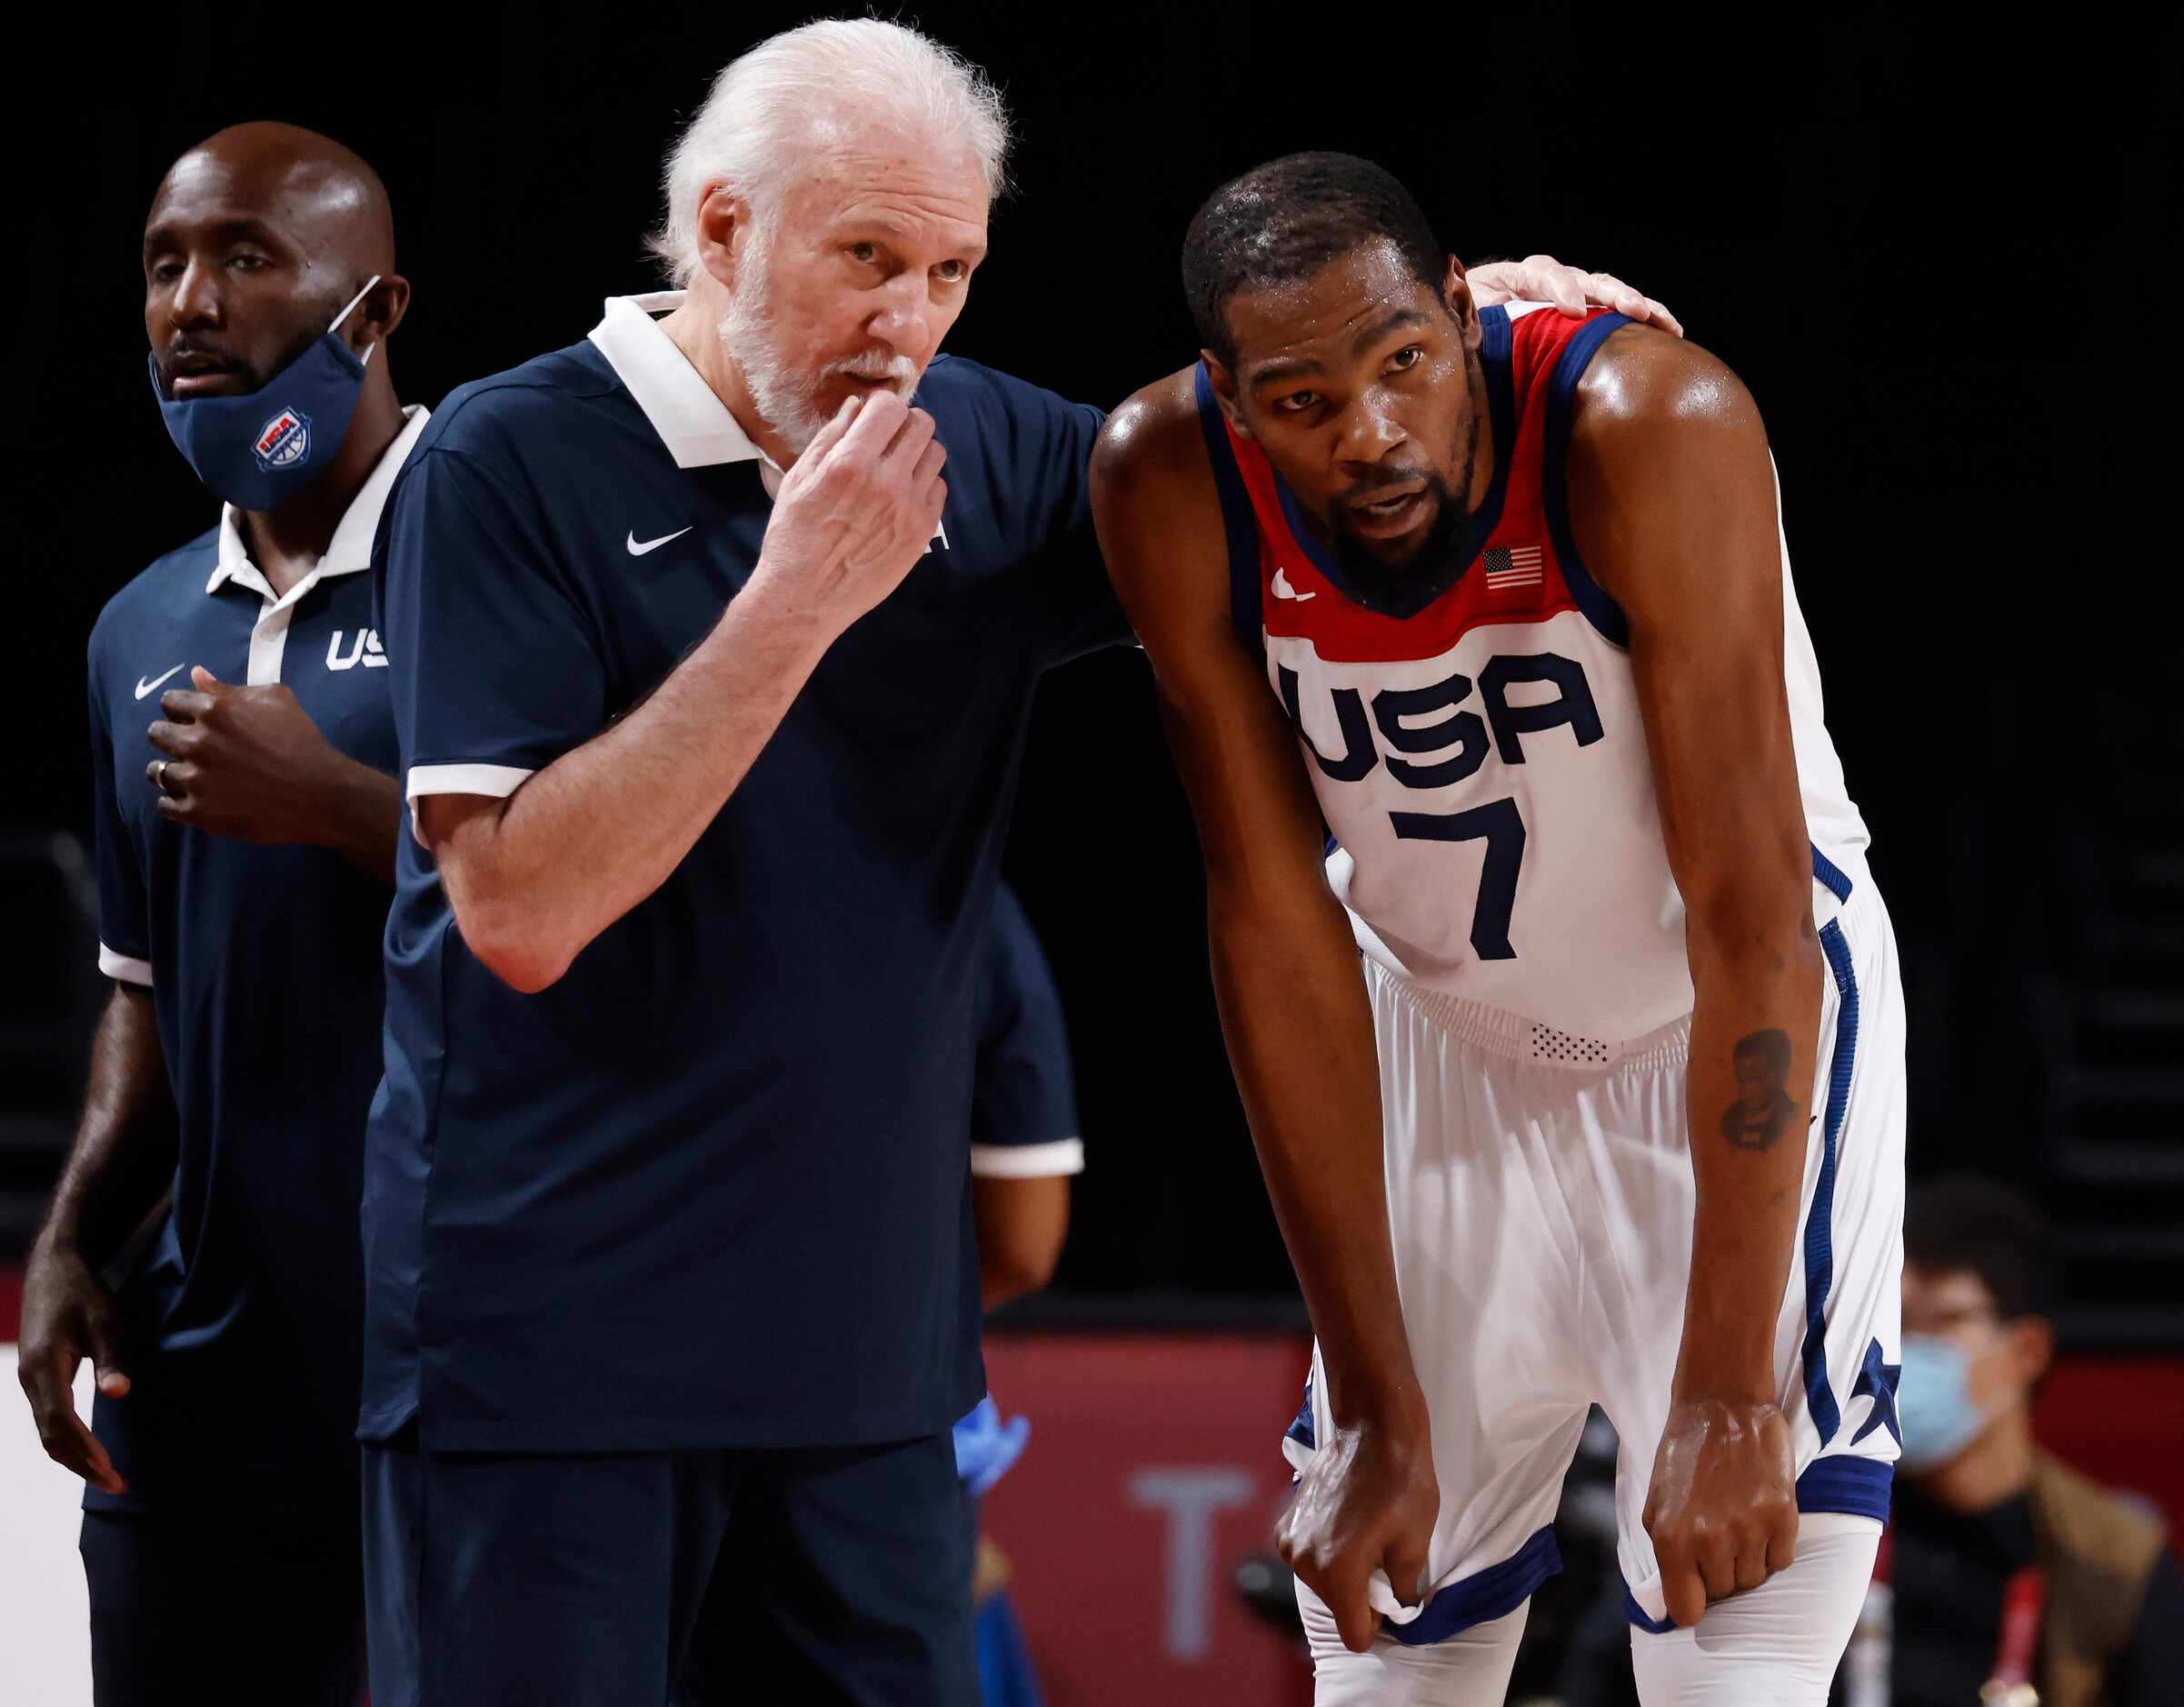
point(1541, 1194)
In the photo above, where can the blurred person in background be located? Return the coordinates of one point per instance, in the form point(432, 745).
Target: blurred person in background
point(2012, 1577)
point(1024, 1141)
point(1025, 1147)
point(244, 822)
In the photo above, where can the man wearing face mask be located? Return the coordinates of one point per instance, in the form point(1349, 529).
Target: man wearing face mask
point(2010, 1572)
point(242, 738)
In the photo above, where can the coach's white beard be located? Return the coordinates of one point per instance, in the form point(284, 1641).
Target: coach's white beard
point(785, 398)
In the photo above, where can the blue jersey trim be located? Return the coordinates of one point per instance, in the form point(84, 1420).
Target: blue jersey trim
point(1484, 1595)
point(1301, 1431)
point(1501, 414)
point(1830, 876)
point(1598, 609)
point(1878, 1380)
point(1636, 1613)
point(1236, 516)
point(1820, 1255)
point(1858, 1486)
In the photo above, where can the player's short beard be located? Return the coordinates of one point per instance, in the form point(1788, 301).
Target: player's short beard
point(1451, 543)
point(786, 396)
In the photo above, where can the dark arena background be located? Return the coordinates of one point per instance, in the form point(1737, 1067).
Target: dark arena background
point(1943, 257)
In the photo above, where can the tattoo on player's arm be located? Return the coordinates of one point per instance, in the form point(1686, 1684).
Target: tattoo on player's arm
point(1764, 1107)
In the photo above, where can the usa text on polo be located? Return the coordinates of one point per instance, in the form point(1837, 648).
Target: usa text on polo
point(710, 1188)
point(264, 964)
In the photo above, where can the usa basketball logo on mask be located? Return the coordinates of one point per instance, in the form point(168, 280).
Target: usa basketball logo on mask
point(284, 439)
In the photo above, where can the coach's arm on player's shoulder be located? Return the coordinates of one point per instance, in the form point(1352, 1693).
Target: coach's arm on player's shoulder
point(1292, 1001)
point(1541, 278)
point(1673, 506)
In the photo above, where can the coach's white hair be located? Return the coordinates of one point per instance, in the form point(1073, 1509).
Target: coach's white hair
point(764, 103)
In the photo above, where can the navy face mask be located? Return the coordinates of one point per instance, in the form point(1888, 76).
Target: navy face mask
point(258, 451)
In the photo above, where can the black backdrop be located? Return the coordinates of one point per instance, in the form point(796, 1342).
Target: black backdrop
point(1940, 258)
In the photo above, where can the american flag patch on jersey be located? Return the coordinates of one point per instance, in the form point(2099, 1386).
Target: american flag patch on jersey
point(1509, 567)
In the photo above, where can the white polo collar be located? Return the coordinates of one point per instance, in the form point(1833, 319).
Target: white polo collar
point(350, 549)
point(684, 411)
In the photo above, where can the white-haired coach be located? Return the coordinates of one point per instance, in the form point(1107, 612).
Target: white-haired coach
point(672, 1296)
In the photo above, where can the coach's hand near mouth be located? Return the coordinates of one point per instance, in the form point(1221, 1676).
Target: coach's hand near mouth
point(535, 877)
point(855, 513)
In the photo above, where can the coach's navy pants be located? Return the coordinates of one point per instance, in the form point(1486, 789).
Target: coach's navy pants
point(817, 1575)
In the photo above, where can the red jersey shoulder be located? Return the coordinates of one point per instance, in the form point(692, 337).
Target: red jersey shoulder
point(1537, 339)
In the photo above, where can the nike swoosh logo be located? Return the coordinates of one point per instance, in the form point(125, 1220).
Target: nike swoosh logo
point(1283, 590)
point(638, 550)
point(143, 687)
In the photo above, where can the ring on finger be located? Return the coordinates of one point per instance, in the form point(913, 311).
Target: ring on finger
point(159, 774)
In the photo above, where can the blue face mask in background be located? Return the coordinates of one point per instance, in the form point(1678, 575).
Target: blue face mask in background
point(1933, 1402)
point(258, 451)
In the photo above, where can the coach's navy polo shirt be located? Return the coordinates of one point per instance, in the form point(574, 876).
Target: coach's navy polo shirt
point(710, 1188)
point(1024, 1105)
point(264, 964)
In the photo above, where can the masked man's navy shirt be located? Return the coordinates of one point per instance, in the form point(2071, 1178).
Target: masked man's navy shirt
point(264, 964)
point(710, 1188)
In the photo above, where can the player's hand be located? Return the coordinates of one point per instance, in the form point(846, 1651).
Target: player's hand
point(240, 762)
point(1367, 1502)
point(68, 1316)
point(856, 511)
point(1723, 1505)
point(1541, 278)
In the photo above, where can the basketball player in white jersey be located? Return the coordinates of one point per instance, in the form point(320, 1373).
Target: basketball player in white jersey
point(1574, 1062)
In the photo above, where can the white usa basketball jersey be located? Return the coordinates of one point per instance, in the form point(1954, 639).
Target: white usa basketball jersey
point(1481, 762)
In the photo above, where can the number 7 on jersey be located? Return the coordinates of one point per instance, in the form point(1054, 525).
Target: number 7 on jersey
point(1499, 824)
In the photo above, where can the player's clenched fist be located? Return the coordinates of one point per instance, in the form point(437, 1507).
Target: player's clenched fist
point(1367, 1502)
point(855, 513)
point(1722, 1506)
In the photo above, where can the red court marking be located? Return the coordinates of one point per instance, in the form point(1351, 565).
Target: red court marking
point(1127, 1429)
point(2118, 1420)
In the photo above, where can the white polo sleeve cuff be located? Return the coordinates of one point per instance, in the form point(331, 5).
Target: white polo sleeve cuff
point(1027, 1162)
point(496, 782)
point(123, 967)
